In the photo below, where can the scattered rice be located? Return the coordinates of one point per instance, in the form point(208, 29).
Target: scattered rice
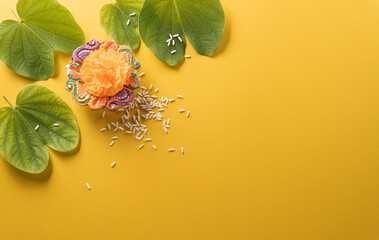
point(146, 107)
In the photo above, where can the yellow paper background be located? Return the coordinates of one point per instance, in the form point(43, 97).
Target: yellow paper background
point(282, 142)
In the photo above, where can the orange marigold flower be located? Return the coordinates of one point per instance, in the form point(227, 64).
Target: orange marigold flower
point(104, 72)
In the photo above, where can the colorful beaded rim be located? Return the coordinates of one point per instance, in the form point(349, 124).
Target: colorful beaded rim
point(76, 86)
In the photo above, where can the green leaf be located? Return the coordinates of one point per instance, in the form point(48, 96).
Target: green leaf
point(202, 21)
point(114, 21)
point(21, 144)
point(26, 47)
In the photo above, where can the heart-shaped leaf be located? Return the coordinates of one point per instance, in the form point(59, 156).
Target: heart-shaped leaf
point(119, 21)
point(202, 21)
point(39, 118)
point(26, 47)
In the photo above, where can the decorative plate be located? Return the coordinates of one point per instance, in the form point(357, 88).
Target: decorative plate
point(102, 75)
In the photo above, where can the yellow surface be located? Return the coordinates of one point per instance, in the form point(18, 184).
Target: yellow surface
point(282, 142)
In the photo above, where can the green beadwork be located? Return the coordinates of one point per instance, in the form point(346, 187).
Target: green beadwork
point(74, 91)
point(76, 64)
point(132, 58)
point(134, 76)
point(72, 77)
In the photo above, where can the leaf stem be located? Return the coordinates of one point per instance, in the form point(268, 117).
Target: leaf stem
point(5, 97)
point(16, 15)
